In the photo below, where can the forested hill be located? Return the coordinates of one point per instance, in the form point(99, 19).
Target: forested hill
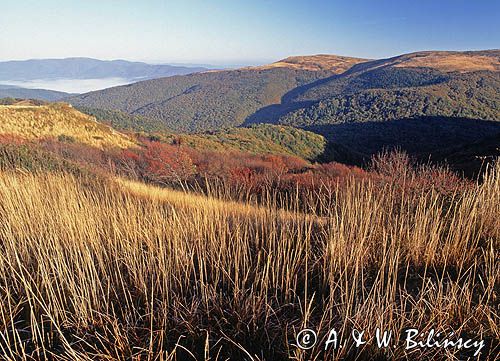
point(422, 103)
point(448, 84)
point(42, 94)
point(215, 99)
point(408, 70)
point(396, 94)
point(203, 101)
point(316, 90)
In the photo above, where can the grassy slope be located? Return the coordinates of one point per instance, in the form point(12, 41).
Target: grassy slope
point(450, 61)
point(58, 120)
point(121, 271)
point(334, 63)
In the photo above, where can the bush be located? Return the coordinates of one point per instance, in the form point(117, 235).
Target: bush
point(66, 138)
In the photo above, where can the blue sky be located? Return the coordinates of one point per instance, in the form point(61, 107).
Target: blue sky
point(242, 32)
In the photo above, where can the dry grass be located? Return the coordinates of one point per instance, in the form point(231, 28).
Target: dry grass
point(34, 122)
point(124, 271)
point(446, 61)
point(334, 63)
point(450, 61)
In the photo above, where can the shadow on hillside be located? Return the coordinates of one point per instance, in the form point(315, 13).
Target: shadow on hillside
point(271, 113)
point(464, 143)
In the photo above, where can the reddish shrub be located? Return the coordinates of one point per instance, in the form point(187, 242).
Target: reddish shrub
point(242, 175)
point(166, 163)
point(393, 164)
point(78, 152)
point(397, 167)
point(127, 163)
point(295, 164)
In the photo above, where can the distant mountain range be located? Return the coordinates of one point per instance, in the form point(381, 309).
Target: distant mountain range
point(8, 91)
point(26, 74)
point(87, 68)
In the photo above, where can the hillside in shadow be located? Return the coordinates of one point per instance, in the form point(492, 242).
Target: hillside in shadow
point(378, 91)
point(288, 102)
point(465, 144)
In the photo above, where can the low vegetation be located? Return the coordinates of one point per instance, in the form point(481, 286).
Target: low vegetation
point(257, 139)
point(115, 269)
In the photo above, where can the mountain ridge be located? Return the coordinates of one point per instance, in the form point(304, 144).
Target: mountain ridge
point(214, 99)
point(26, 93)
point(448, 61)
point(87, 68)
point(337, 64)
point(201, 101)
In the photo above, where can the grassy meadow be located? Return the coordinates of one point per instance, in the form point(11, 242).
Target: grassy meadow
point(105, 268)
point(58, 120)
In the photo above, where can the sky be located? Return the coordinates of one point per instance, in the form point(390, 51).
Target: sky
point(225, 32)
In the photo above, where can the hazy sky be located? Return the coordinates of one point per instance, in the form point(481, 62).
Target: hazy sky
point(242, 32)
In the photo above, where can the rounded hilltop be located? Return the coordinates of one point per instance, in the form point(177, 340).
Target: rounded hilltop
point(334, 63)
point(445, 61)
